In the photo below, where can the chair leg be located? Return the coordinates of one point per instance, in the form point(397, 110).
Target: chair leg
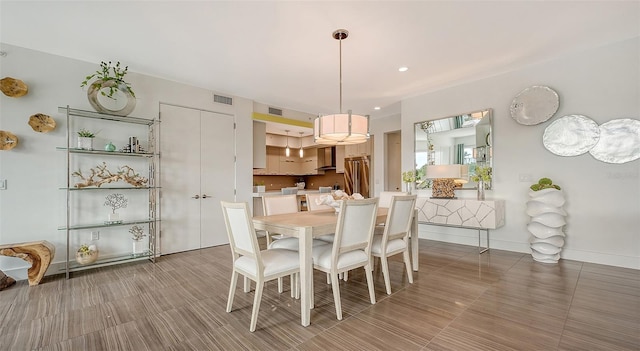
point(328, 278)
point(297, 285)
point(247, 285)
point(407, 264)
point(292, 279)
point(256, 305)
point(232, 290)
point(372, 293)
point(345, 277)
point(280, 288)
point(335, 286)
point(385, 273)
point(267, 238)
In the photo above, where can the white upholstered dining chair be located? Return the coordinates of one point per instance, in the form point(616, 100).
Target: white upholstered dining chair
point(395, 236)
point(283, 204)
point(312, 205)
point(280, 204)
point(351, 247)
point(385, 197)
point(249, 261)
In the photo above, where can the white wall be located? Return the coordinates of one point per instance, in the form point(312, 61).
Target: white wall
point(32, 206)
point(603, 200)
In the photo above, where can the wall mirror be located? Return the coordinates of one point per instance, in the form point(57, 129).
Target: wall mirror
point(464, 139)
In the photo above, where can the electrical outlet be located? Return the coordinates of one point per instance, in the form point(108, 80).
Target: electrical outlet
point(525, 177)
point(3, 184)
point(95, 235)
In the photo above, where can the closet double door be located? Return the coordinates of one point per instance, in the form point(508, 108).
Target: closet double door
point(198, 171)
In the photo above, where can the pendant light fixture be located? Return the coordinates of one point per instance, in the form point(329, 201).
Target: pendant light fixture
point(341, 128)
point(287, 151)
point(301, 151)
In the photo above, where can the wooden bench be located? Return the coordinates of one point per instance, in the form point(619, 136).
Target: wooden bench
point(38, 253)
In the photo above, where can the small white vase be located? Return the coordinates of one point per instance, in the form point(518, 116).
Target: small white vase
point(139, 247)
point(85, 143)
point(480, 190)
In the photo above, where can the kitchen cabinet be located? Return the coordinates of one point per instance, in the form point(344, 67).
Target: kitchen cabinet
point(259, 145)
point(340, 159)
point(356, 150)
point(309, 163)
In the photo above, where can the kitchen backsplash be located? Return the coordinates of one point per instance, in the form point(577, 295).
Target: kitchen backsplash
point(277, 182)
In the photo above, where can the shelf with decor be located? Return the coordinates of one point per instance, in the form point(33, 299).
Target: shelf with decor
point(130, 173)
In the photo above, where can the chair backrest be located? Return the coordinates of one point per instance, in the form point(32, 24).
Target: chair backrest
point(385, 197)
point(313, 206)
point(279, 204)
point(242, 234)
point(354, 230)
point(399, 217)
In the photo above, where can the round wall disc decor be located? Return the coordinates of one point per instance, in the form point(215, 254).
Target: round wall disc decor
point(13, 87)
point(571, 135)
point(7, 140)
point(534, 105)
point(42, 123)
point(619, 141)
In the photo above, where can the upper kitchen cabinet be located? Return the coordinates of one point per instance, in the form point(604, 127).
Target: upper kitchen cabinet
point(259, 145)
point(356, 150)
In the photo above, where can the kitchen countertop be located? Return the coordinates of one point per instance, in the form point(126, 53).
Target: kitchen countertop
point(278, 192)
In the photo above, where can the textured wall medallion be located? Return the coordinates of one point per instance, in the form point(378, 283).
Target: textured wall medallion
point(42, 123)
point(534, 105)
point(619, 141)
point(571, 135)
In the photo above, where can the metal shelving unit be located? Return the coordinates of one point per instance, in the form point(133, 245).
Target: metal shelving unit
point(152, 220)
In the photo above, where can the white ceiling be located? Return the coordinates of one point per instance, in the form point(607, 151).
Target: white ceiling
point(282, 53)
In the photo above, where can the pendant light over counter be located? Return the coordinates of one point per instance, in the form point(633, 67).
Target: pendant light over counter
point(301, 150)
point(287, 151)
point(341, 128)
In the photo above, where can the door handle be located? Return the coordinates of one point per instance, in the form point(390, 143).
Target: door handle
point(195, 197)
point(204, 196)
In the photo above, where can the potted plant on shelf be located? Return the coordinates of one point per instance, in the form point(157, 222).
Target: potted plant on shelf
point(86, 254)
point(109, 92)
point(138, 234)
point(85, 139)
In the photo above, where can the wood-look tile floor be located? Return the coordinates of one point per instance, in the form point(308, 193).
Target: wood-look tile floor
point(459, 301)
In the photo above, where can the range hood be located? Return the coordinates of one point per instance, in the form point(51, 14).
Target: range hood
point(326, 158)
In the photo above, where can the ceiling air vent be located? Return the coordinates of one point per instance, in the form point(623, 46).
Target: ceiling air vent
point(275, 111)
point(222, 99)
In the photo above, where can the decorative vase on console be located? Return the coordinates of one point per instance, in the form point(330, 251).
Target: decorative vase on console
point(482, 176)
point(547, 221)
point(409, 179)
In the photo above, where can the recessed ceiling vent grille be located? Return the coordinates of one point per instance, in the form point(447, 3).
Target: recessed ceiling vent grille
point(275, 111)
point(222, 99)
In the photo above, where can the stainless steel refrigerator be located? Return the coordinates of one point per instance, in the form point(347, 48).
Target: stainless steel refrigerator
point(356, 175)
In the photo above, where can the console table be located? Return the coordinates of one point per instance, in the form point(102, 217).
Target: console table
point(462, 213)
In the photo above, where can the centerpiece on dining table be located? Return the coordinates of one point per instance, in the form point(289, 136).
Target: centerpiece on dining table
point(335, 199)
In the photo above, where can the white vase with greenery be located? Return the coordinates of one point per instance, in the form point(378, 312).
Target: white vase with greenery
point(85, 139)
point(547, 221)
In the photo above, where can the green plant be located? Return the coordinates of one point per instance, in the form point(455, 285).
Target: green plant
point(544, 183)
point(482, 173)
point(409, 176)
point(109, 73)
point(86, 134)
point(86, 249)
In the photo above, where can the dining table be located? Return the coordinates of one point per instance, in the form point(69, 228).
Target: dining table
point(306, 225)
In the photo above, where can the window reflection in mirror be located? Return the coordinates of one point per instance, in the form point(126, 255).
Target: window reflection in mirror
point(463, 139)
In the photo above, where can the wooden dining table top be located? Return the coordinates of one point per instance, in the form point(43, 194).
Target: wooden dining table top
point(320, 222)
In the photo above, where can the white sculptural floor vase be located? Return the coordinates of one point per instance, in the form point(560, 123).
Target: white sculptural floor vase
point(547, 224)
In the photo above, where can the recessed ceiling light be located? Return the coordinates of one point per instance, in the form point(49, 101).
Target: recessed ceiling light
point(376, 108)
point(403, 69)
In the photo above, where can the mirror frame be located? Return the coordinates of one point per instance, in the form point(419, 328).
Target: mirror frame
point(482, 149)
